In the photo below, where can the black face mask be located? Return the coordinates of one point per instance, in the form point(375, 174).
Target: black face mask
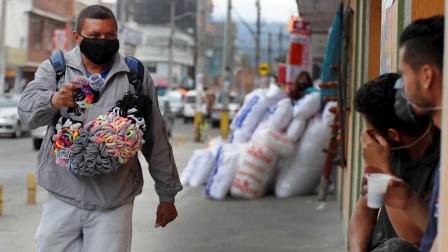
point(403, 108)
point(99, 51)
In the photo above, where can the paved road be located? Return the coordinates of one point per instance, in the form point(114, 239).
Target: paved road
point(204, 225)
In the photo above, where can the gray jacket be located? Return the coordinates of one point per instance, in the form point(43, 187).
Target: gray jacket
point(110, 190)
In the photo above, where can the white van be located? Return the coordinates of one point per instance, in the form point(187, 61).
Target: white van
point(190, 106)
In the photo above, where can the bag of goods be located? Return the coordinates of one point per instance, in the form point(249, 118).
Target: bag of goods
point(222, 175)
point(198, 168)
point(302, 172)
point(308, 106)
point(282, 116)
point(239, 136)
point(274, 94)
point(278, 142)
point(251, 113)
point(296, 129)
point(255, 169)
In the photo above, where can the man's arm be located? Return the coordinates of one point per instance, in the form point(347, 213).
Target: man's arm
point(35, 108)
point(361, 226)
point(158, 151)
point(400, 196)
point(404, 225)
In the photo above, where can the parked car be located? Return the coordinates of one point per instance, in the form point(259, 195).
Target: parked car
point(234, 106)
point(38, 135)
point(9, 117)
point(190, 106)
point(167, 115)
point(176, 102)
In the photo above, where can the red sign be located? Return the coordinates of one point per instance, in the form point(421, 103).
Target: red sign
point(299, 58)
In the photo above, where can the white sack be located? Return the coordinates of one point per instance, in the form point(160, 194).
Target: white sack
point(202, 165)
point(296, 129)
point(304, 169)
point(279, 143)
point(222, 176)
point(282, 115)
point(250, 115)
point(308, 106)
point(255, 169)
point(275, 94)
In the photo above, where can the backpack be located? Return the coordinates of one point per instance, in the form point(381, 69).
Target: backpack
point(135, 76)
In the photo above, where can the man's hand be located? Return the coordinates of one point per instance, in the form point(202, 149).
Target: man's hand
point(64, 97)
point(166, 213)
point(375, 150)
point(398, 194)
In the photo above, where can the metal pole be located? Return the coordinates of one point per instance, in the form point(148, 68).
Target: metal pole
point(201, 26)
point(225, 74)
point(2, 47)
point(257, 42)
point(171, 40)
point(280, 42)
point(270, 50)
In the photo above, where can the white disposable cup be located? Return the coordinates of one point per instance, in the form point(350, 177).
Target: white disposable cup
point(376, 188)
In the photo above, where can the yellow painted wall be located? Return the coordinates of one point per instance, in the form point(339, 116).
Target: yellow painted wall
point(427, 8)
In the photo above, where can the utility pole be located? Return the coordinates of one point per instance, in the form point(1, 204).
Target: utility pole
point(225, 74)
point(2, 47)
point(257, 42)
point(270, 50)
point(122, 13)
point(201, 32)
point(171, 41)
point(280, 42)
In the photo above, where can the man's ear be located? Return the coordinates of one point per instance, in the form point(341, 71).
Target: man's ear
point(76, 38)
point(393, 135)
point(426, 76)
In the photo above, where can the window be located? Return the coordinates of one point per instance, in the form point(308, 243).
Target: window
point(51, 27)
point(37, 30)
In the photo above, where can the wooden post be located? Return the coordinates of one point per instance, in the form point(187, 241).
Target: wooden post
point(31, 188)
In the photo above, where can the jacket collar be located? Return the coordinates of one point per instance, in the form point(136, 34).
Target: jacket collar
point(73, 59)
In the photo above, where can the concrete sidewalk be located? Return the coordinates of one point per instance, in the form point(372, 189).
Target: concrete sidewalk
point(203, 225)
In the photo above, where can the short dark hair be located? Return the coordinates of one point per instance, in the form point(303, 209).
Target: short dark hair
point(423, 42)
point(376, 98)
point(94, 12)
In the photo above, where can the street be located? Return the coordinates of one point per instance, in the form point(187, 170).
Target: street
point(267, 224)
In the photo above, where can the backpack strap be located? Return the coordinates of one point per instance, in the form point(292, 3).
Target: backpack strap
point(136, 73)
point(58, 62)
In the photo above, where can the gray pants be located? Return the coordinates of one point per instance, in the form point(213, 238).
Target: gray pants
point(396, 245)
point(64, 227)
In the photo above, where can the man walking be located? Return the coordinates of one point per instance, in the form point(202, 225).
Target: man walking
point(85, 213)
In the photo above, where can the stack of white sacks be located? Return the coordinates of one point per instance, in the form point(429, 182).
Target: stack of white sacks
point(274, 144)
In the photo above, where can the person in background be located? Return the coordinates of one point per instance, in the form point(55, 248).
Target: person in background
point(302, 86)
point(408, 150)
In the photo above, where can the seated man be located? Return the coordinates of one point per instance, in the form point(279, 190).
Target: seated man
point(407, 150)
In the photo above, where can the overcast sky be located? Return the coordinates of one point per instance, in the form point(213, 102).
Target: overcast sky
point(271, 10)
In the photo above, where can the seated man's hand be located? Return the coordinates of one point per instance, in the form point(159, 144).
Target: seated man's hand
point(398, 194)
point(375, 150)
point(166, 213)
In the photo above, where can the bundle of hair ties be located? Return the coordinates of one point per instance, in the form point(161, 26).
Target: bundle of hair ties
point(88, 92)
point(67, 131)
point(111, 140)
